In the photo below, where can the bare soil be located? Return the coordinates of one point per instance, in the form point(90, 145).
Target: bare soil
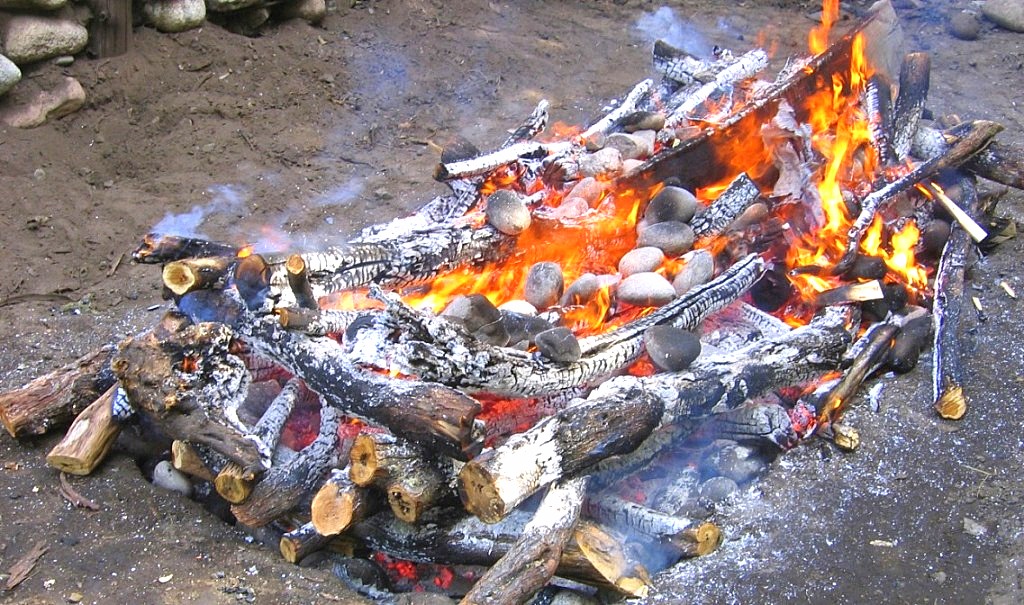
point(305, 134)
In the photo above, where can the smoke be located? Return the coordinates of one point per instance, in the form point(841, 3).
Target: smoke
point(663, 24)
point(224, 198)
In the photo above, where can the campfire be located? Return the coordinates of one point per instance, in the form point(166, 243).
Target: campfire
point(547, 378)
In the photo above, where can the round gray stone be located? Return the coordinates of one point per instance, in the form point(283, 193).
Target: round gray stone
point(698, 268)
point(645, 290)
point(717, 489)
point(1008, 14)
point(544, 285)
point(641, 260)
point(9, 75)
point(673, 237)
point(558, 344)
point(171, 479)
point(589, 188)
point(755, 213)
point(31, 38)
point(582, 290)
point(965, 26)
point(671, 349)
point(174, 15)
point(507, 212)
point(671, 204)
point(603, 161)
point(631, 146)
point(480, 316)
point(643, 120)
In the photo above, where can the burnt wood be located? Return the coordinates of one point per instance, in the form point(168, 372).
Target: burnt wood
point(157, 248)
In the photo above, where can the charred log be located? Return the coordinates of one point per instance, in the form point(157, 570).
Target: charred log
point(156, 249)
point(687, 538)
point(915, 79)
point(300, 542)
point(727, 207)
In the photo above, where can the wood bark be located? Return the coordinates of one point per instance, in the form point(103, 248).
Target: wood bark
point(340, 502)
point(55, 398)
point(413, 479)
point(915, 80)
point(301, 542)
point(494, 483)
point(534, 558)
point(88, 440)
point(183, 276)
point(157, 248)
point(727, 207)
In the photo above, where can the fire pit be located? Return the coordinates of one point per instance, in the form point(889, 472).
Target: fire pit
point(611, 453)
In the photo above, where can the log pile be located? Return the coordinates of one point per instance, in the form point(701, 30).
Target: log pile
point(585, 431)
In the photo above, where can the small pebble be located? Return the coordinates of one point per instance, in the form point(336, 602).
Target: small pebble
point(645, 290)
point(671, 204)
point(64, 61)
point(480, 316)
point(544, 285)
point(671, 349)
point(641, 260)
point(582, 290)
point(965, 26)
point(558, 344)
point(643, 120)
point(973, 528)
point(698, 269)
point(717, 489)
point(507, 212)
point(589, 188)
point(170, 478)
point(673, 237)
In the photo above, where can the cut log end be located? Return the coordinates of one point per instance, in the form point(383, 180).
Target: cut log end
point(234, 483)
point(333, 510)
point(480, 495)
point(606, 554)
point(699, 541)
point(406, 505)
point(365, 467)
point(952, 403)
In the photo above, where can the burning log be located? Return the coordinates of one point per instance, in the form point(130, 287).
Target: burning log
point(284, 485)
point(430, 414)
point(744, 68)
point(585, 432)
point(915, 80)
point(300, 542)
point(484, 164)
point(409, 475)
point(628, 105)
point(185, 275)
point(607, 554)
point(727, 207)
point(975, 137)
point(534, 558)
point(847, 293)
point(755, 425)
point(57, 397)
point(685, 537)
point(156, 248)
point(947, 368)
point(999, 162)
point(340, 502)
point(877, 105)
point(316, 322)
point(436, 349)
point(89, 438)
point(185, 379)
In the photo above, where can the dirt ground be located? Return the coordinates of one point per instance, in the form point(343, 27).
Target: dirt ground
point(305, 134)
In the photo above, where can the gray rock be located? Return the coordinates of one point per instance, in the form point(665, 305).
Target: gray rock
point(31, 38)
point(480, 317)
point(736, 462)
point(171, 479)
point(570, 208)
point(507, 212)
point(630, 165)
point(595, 141)
point(558, 344)
point(671, 204)
point(643, 120)
point(9, 75)
point(44, 5)
point(698, 268)
point(674, 238)
point(631, 146)
point(641, 260)
point(1008, 14)
point(603, 161)
point(645, 290)
point(312, 11)
point(717, 489)
point(518, 306)
point(589, 188)
point(68, 97)
point(521, 327)
point(458, 148)
point(247, 22)
point(965, 26)
point(973, 528)
point(174, 15)
point(582, 290)
point(671, 349)
point(544, 285)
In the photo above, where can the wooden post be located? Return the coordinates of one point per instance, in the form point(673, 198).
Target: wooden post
point(110, 31)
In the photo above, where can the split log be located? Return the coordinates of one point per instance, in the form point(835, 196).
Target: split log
point(340, 502)
point(915, 80)
point(727, 207)
point(298, 281)
point(284, 485)
point(439, 418)
point(156, 249)
point(437, 349)
point(54, 399)
point(686, 537)
point(185, 275)
point(947, 366)
point(300, 542)
point(744, 68)
point(975, 137)
point(877, 104)
point(185, 379)
point(587, 431)
point(187, 459)
point(89, 439)
point(607, 554)
point(531, 562)
point(629, 104)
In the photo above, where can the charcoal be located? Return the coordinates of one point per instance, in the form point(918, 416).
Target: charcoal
point(582, 290)
point(671, 349)
point(558, 344)
point(645, 290)
point(544, 284)
point(912, 338)
point(673, 237)
point(772, 290)
point(933, 238)
point(894, 300)
point(671, 204)
point(507, 212)
point(699, 269)
point(867, 267)
point(641, 260)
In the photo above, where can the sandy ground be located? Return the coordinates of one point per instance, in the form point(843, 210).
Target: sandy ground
point(303, 135)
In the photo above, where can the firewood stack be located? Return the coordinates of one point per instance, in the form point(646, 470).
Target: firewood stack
point(584, 431)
